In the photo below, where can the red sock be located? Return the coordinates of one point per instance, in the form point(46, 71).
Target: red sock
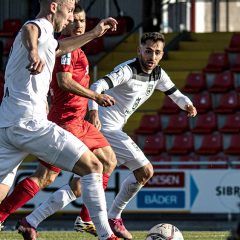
point(23, 192)
point(84, 214)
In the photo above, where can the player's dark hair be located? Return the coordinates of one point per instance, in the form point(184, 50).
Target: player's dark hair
point(78, 8)
point(154, 36)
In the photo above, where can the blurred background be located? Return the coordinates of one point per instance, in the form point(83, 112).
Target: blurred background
point(197, 161)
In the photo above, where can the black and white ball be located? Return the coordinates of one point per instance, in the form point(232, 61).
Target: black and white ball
point(164, 231)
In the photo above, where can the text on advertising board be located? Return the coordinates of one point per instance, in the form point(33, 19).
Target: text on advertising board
point(167, 180)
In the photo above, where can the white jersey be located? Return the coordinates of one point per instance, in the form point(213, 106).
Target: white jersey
point(131, 87)
point(25, 95)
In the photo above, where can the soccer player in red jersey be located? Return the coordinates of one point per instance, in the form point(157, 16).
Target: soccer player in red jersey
point(69, 99)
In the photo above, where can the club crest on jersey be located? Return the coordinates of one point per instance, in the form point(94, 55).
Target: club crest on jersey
point(149, 89)
point(66, 59)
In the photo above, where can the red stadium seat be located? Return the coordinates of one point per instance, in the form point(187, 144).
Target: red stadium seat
point(226, 102)
point(218, 162)
point(91, 23)
point(192, 162)
point(222, 82)
point(231, 123)
point(168, 107)
point(235, 68)
point(204, 123)
point(94, 47)
point(180, 144)
point(164, 159)
point(134, 137)
point(202, 102)
point(217, 62)
point(195, 83)
point(236, 65)
point(177, 123)
point(121, 27)
point(149, 124)
point(208, 143)
point(7, 46)
point(154, 144)
point(10, 27)
point(234, 45)
point(231, 144)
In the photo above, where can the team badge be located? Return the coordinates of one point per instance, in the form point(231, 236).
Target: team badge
point(149, 89)
point(66, 59)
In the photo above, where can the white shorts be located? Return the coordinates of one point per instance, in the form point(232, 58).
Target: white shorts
point(44, 139)
point(126, 150)
point(9, 179)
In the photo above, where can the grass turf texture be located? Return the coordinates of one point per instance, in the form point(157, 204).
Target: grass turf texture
point(137, 235)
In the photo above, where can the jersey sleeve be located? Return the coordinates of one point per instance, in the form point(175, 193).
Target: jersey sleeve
point(166, 85)
point(119, 75)
point(65, 63)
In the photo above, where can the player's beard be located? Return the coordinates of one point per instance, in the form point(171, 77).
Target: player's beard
point(145, 66)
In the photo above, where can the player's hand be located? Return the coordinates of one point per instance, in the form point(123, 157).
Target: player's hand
point(104, 25)
point(105, 100)
point(94, 119)
point(36, 64)
point(192, 112)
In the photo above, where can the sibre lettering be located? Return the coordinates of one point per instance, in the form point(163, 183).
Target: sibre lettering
point(227, 191)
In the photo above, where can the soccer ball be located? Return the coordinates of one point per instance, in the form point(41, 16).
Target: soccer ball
point(164, 231)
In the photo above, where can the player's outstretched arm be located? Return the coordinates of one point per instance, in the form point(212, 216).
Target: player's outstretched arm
point(66, 83)
point(183, 102)
point(69, 44)
point(30, 35)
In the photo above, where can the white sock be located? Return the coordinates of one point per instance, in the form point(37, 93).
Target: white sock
point(94, 198)
point(128, 190)
point(58, 200)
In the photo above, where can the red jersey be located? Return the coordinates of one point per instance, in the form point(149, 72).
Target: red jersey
point(65, 106)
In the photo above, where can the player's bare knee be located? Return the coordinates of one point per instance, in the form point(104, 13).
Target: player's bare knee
point(109, 164)
point(144, 173)
point(107, 157)
point(51, 178)
point(44, 178)
point(4, 189)
point(96, 165)
point(76, 187)
point(88, 163)
point(149, 171)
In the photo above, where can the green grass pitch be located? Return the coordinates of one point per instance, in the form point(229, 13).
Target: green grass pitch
point(137, 235)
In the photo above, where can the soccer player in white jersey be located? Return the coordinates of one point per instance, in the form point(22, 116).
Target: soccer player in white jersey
point(24, 127)
point(131, 84)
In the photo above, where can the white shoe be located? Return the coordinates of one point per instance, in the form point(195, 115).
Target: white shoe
point(82, 226)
